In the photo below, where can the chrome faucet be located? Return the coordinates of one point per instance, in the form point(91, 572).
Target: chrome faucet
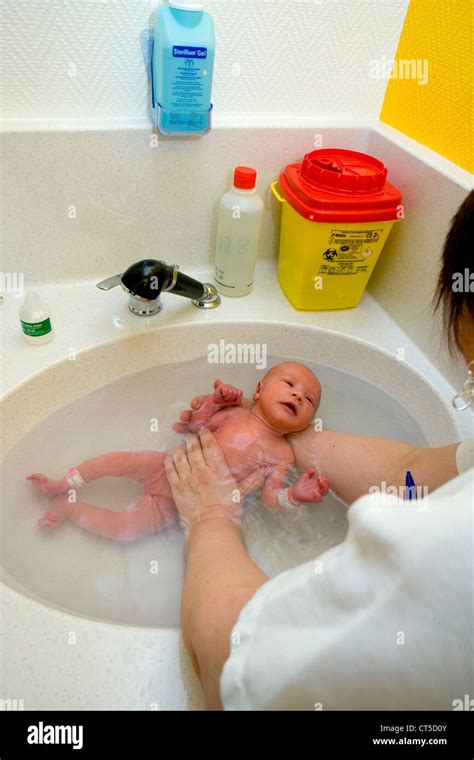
point(147, 279)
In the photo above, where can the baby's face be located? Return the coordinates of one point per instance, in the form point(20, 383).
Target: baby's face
point(288, 397)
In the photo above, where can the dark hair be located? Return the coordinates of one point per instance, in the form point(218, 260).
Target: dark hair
point(457, 254)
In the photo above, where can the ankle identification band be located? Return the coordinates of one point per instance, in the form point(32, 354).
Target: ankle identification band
point(74, 477)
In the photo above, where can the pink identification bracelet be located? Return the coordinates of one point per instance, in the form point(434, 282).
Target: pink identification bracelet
point(74, 477)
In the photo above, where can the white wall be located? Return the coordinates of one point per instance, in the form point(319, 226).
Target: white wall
point(405, 278)
point(85, 204)
point(276, 59)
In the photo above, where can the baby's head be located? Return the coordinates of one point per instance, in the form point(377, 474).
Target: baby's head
point(288, 397)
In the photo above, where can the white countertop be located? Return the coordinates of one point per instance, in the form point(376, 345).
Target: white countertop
point(84, 316)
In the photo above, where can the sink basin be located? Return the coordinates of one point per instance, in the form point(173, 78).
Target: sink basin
point(125, 395)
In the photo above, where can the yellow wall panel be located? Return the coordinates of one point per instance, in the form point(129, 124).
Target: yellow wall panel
point(437, 114)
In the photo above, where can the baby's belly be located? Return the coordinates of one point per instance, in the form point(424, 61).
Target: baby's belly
point(241, 461)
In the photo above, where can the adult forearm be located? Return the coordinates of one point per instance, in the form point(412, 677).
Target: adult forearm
point(220, 579)
point(355, 463)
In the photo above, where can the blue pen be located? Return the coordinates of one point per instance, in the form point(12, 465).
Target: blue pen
point(410, 488)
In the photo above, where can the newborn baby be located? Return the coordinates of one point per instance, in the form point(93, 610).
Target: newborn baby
point(252, 437)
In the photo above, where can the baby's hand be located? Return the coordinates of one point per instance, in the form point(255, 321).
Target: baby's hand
point(203, 407)
point(226, 394)
point(194, 419)
point(310, 488)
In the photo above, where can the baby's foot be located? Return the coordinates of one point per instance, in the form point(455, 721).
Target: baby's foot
point(55, 515)
point(45, 485)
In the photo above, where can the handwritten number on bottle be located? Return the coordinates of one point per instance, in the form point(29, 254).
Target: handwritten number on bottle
point(242, 246)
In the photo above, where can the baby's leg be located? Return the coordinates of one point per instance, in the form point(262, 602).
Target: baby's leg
point(151, 514)
point(136, 465)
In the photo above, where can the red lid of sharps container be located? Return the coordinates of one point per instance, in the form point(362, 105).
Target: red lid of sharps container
point(336, 185)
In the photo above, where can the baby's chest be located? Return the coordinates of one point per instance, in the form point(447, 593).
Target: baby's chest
point(245, 452)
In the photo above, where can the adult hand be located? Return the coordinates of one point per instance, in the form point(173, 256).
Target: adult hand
point(202, 485)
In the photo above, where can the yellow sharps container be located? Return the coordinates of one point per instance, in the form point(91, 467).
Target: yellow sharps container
point(338, 210)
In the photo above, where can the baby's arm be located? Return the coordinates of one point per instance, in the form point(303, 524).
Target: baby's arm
point(310, 488)
point(204, 407)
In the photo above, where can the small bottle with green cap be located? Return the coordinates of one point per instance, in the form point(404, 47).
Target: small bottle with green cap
point(35, 319)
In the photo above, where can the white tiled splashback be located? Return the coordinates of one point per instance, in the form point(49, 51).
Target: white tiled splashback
point(81, 59)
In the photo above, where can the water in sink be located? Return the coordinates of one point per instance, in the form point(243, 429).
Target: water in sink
point(140, 583)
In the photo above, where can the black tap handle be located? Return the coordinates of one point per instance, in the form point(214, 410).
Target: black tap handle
point(187, 287)
point(148, 278)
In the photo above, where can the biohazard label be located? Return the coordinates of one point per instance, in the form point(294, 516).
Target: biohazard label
point(348, 251)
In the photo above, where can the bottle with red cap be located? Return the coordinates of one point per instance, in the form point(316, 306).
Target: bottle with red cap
point(238, 233)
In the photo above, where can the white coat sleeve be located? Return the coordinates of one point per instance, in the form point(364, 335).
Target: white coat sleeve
point(384, 621)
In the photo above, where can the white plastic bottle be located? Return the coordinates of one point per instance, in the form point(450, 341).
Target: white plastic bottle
point(238, 233)
point(35, 318)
